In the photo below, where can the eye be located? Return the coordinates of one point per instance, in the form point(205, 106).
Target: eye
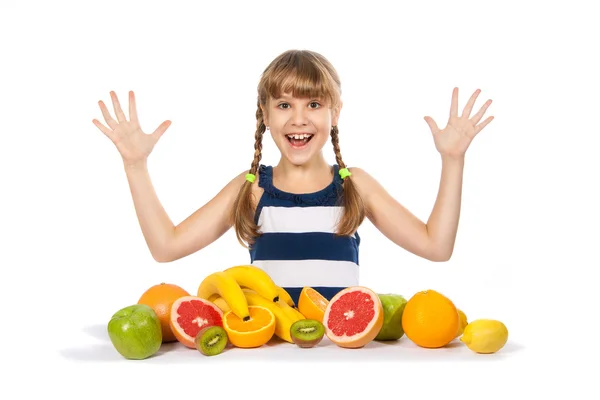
point(313, 105)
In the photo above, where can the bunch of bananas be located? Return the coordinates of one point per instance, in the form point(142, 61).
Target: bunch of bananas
point(241, 286)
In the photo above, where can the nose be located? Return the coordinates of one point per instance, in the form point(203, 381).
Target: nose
point(299, 116)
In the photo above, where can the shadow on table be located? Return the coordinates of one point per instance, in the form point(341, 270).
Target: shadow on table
point(279, 351)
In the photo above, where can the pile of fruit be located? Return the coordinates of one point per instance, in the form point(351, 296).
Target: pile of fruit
point(242, 307)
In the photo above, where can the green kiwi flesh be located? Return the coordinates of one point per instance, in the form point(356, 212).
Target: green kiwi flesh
point(211, 340)
point(307, 332)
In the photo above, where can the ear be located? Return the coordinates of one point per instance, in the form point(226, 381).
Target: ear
point(265, 117)
point(336, 114)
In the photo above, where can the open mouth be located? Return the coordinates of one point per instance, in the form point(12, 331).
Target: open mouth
point(299, 140)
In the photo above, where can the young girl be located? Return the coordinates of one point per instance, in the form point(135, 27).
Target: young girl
point(300, 218)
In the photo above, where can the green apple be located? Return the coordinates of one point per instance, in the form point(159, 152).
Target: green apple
point(393, 307)
point(135, 332)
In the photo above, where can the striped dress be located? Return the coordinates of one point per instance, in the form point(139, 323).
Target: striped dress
point(297, 247)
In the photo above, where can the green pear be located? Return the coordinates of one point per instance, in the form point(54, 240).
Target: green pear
point(393, 307)
point(135, 332)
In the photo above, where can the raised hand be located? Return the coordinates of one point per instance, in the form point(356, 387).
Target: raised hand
point(454, 140)
point(132, 143)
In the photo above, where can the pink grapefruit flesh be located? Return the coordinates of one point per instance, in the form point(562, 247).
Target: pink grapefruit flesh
point(353, 317)
point(189, 315)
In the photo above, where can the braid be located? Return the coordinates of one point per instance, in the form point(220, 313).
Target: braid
point(243, 209)
point(336, 146)
point(258, 136)
point(354, 210)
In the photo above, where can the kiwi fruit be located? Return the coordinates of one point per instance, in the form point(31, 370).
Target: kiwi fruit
point(211, 340)
point(307, 332)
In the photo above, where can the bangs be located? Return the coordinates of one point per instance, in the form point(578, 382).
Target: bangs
point(301, 76)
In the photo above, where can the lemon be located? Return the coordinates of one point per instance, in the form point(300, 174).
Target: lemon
point(485, 336)
point(462, 322)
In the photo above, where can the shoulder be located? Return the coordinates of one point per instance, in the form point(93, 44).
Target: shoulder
point(235, 184)
point(362, 179)
point(240, 179)
point(357, 172)
point(368, 187)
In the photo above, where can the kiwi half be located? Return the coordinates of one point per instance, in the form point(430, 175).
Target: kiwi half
point(307, 332)
point(211, 340)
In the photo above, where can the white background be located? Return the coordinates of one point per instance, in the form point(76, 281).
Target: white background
point(73, 253)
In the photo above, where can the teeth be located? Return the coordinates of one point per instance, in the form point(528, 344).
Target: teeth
point(304, 136)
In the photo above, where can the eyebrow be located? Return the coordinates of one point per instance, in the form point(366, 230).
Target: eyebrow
point(292, 97)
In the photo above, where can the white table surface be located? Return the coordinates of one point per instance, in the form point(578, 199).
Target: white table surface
point(100, 349)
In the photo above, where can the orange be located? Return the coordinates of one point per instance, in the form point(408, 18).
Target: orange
point(255, 332)
point(430, 319)
point(312, 304)
point(463, 322)
point(161, 298)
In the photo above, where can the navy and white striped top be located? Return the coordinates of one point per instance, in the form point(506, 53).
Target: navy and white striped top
point(298, 247)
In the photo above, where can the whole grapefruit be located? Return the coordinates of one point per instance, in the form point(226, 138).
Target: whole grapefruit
point(161, 298)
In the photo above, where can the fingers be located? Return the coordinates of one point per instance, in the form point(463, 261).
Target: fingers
point(454, 104)
point(132, 108)
point(432, 125)
point(479, 127)
point(109, 120)
point(479, 115)
point(161, 129)
point(102, 128)
point(470, 103)
point(118, 111)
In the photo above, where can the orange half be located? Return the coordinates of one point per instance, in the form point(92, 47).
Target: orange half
point(312, 304)
point(255, 332)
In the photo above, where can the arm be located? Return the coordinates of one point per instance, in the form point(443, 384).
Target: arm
point(442, 224)
point(166, 241)
point(435, 239)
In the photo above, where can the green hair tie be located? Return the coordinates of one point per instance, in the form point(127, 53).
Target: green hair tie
point(344, 173)
point(250, 178)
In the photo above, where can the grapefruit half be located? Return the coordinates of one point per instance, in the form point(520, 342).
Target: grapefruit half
point(353, 317)
point(189, 314)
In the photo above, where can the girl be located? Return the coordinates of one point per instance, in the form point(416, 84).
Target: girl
point(299, 219)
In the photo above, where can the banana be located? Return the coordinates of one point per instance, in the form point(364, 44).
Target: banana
point(285, 297)
point(283, 318)
point(227, 288)
point(219, 302)
point(256, 279)
point(293, 311)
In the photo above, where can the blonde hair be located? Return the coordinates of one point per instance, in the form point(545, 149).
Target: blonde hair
point(302, 73)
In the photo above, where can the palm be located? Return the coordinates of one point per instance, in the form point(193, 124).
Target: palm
point(132, 143)
point(455, 138)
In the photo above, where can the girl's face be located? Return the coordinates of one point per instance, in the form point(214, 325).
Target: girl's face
point(300, 127)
